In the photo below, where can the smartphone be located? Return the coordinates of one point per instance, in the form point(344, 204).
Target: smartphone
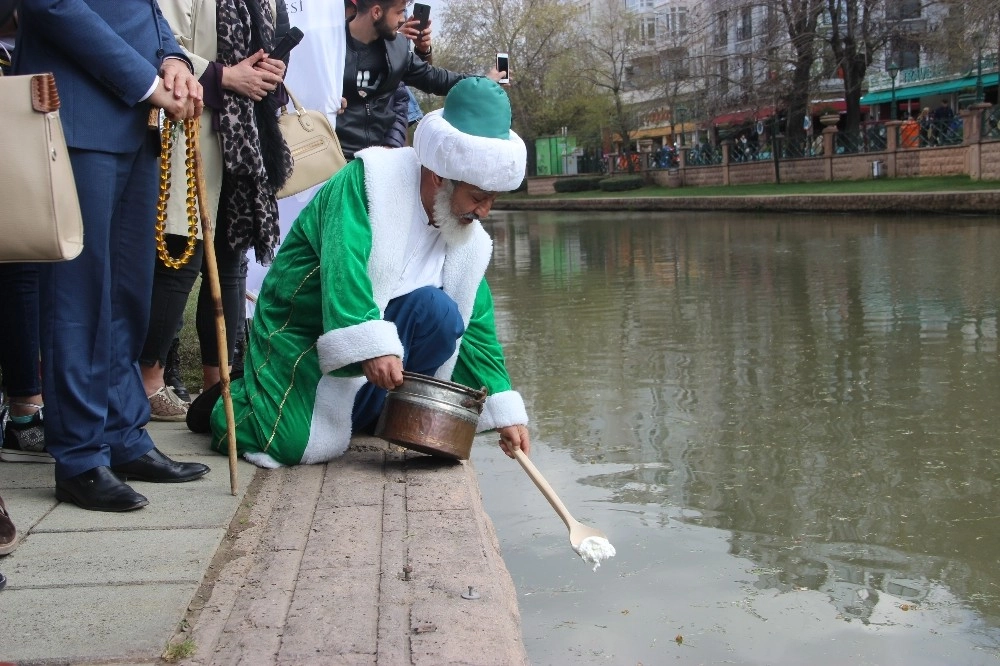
point(287, 43)
point(503, 65)
point(422, 13)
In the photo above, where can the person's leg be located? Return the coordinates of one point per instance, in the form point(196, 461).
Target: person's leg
point(24, 434)
point(171, 288)
point(75, 323)
point(19, 331)
point(132, 253)
point(429, 327)
point(232, 284)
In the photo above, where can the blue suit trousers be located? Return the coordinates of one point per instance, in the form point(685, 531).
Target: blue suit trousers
point(94, 314)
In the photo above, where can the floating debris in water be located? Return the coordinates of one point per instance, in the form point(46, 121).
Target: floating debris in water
point(595, 550)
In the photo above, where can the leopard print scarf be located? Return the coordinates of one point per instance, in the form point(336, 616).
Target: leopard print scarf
point(255, 159)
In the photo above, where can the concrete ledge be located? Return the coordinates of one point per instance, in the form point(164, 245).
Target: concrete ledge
point(361, 561)
point(976, 202)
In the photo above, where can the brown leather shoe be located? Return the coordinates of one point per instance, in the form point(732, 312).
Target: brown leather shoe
point(8, 533)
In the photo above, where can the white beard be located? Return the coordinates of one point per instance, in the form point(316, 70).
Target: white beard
point(454, 230)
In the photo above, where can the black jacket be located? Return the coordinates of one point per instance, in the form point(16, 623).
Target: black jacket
point(370, 116)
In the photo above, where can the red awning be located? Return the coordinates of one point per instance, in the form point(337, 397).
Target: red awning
point(838, 105)
point(741, 117)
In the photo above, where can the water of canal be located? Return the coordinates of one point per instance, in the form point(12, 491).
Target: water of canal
point(786, 425)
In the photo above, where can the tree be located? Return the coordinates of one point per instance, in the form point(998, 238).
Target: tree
point(800, 18)
point(858, 30)
point(609, 50)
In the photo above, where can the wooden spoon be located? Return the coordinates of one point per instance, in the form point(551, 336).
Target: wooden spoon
point(577, 530)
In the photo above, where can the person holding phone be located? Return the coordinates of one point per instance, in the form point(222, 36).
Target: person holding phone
point(417, 29)
point(245, 161)
point(376, 63)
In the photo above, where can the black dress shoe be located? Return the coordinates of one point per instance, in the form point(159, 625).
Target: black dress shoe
point(99, 490)
point(157, 468)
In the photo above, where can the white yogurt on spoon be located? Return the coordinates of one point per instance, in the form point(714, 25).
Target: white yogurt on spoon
point(595, 550)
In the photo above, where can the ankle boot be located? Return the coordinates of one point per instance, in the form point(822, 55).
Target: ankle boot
point(172, 372)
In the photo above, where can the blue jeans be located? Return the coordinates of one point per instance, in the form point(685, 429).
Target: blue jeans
point(19, 330)
point(429, 327)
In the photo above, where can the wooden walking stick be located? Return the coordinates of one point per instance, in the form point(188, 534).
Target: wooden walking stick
point(208, 239)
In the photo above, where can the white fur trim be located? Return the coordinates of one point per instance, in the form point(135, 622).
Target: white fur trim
point(354, 344)
point(503, 409)
point(262, 460)
point(392, 186)
point(330, 430)
point(494, 165)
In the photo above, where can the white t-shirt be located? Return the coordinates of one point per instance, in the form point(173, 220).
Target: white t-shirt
point(315, 76)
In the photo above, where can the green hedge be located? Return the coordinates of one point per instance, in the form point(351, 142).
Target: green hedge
point(622, 183)
point(579, 184)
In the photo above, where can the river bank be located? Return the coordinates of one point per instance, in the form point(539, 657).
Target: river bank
point(960, 202)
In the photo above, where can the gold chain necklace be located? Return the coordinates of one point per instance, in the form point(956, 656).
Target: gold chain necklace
point(166, 155)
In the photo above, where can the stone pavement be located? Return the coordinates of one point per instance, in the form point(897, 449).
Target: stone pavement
point(362, 561)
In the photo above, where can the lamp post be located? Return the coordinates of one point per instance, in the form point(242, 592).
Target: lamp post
point(681, 115)
point(979, 40)
point(893, 70)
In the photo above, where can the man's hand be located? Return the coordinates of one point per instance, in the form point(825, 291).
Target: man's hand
point(343, 106)
point(421, 38)
point(252, 77)
point(515, 437)
point(495, 75)
point(178, 92)
point(384, 371)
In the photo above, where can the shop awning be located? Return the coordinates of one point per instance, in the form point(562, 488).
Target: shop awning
point(923, 90)
point(741, 117)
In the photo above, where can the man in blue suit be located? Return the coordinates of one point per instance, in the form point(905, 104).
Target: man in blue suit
point(112, 60)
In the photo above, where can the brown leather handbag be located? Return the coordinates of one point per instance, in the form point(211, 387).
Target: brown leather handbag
point(39, 210)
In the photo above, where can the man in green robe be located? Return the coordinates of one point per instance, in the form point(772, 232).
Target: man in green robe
point(383, 271)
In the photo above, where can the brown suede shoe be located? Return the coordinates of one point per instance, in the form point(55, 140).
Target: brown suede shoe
point(8, 533)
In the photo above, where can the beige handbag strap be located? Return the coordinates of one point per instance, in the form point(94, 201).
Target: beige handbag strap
point(295, 103)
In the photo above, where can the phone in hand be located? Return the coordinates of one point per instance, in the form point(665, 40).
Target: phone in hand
point(422, 13)
point(287, 43)
point(503, 65)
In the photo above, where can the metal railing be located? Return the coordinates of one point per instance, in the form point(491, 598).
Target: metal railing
point(703, 154)
point(991, 123)
point(868, 138)
point(947, 132)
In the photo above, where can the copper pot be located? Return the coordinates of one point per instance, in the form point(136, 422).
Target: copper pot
point(432, 416)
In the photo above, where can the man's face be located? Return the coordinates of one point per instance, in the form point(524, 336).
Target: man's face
point(391, 20)
point(456, 208)
point(469, 203)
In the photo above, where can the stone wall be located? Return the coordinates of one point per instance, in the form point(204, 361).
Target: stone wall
point(751, 173)
point(989, 160)
point(542, 185)
point(975, 159)
point(805, 170)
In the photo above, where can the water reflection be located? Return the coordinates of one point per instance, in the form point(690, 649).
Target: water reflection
point(822, 389)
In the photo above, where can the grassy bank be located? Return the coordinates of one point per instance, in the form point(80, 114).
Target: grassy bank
point(870, 186)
